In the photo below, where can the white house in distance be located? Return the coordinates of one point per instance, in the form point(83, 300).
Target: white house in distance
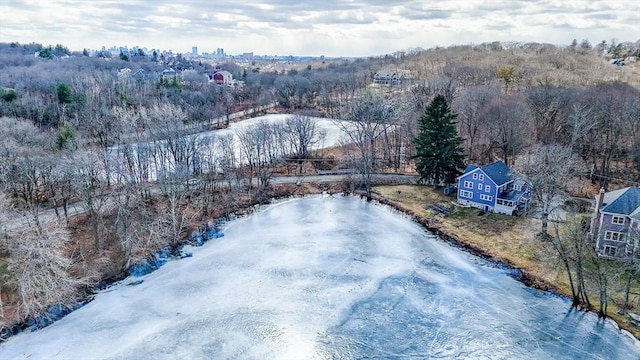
point(392, 77)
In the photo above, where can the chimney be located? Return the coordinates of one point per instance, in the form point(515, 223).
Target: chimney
point(599, 200)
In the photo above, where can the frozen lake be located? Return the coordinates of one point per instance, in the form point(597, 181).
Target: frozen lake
point(207, 150)
point(326, 278)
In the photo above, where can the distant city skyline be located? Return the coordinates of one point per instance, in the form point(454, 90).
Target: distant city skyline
point(330, 28)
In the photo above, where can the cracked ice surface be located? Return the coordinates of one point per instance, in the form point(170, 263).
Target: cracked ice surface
point(326, 278)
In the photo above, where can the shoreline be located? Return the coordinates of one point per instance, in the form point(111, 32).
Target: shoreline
point(430, 224)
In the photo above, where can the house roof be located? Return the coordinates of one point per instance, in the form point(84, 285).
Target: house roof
point(384, 74)
point(624, 201)
point(498, 172)
point(469, 168)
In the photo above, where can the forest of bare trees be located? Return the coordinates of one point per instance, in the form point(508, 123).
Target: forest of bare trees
point(78, 134)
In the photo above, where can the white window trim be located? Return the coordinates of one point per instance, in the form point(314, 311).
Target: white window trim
point(487, 188)
point(609, 236)
point(606, 247)
point(481, 177)
point(468, 185)
point(475, 176)
point(466, 194)
point(614, 218)
point(479, 186)
point(486, 197)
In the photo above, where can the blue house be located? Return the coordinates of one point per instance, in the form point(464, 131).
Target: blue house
point(494, 187)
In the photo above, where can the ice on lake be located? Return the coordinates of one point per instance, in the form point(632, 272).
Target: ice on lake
point(326, 277)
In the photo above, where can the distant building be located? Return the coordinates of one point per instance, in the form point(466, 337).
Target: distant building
point(123, 73)
point(220, 52)
point(222, 77)
point(392, 78)
point(194, 50)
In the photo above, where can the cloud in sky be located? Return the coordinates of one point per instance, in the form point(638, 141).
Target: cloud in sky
point(313, 27)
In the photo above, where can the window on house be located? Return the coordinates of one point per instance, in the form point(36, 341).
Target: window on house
point(487, 188)
point(479, 186)
point(517, 187)
point(613, 236)
point(468, 184)
point(481, 177)
point(486, 197)
point(618, 220)
point(609, 251)
point(466, 194)
point(475, 176)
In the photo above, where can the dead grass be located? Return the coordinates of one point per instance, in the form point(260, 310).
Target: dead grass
point(7, 291)
point(504, 238)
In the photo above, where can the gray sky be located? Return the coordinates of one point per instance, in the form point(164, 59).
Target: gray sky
point(314, 27)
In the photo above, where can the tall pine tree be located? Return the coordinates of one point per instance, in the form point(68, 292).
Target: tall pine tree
point(439, 154)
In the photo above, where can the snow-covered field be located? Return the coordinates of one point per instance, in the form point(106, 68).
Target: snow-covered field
point(325, 278)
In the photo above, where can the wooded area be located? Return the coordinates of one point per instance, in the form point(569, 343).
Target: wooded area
point(77, 132)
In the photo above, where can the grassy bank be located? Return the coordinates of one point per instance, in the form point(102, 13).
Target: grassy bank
point(510, 240)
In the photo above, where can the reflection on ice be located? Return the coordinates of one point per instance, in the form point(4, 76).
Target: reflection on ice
point(326, 278)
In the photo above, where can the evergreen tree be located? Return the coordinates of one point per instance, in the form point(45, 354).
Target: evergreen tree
point(66, 137)
point(65, 94)
point(439, 154)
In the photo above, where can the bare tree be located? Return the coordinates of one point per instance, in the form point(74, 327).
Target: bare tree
point(89, 185)
point(302, 134)
point(134, 219)
point(469, 106)
point(601, 272)
point(176, 216)
point(508, 126)
point(367, 122)
point(5, 207)
point(631, 265)
point(227, 159)
point(581, 121)
point(548, 168)
point(612, 105)
point(255, 145)
point(41, 267)
point(173, 147)
point(571, 244)
point(106, 131)
point(547, 104)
